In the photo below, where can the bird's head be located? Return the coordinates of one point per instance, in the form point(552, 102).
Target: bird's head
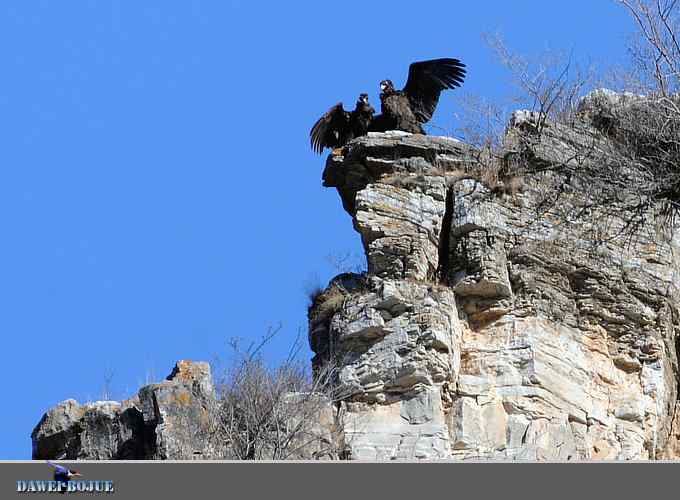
point(363, 105)
point(386, 86)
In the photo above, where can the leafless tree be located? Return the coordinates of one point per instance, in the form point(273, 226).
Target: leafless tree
point(656, 50)
point(635, 174)
point(621, 156)
point(481, 122)
point(550, 83)
point(347, 262)
point(548, 87)
point(277, 412)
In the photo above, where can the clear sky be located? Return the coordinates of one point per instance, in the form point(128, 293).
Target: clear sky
point(158, 194)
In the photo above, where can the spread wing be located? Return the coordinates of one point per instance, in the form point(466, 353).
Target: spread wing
point(426, 80)
point(331, 129)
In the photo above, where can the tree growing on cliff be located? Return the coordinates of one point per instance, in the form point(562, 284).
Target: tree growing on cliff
point(280, 412)
point(656, 49)
point(627, 171)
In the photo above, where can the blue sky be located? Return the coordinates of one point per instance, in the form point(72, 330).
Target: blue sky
point(157, 190)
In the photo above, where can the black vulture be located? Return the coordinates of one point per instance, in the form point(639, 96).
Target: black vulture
point(337, 127)
point(408, 109)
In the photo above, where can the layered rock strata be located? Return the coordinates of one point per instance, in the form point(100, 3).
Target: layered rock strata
point(495, 321)
point(487, 327)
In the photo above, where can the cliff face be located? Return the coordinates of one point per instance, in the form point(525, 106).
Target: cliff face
point(168, 420)
point(488, 327)
point(491, 324)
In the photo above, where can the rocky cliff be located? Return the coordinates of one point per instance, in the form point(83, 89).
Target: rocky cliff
point(489, 325)
point(167, 420)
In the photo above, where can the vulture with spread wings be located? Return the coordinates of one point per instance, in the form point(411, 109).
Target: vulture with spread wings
point(337, 127)
point(407, 109)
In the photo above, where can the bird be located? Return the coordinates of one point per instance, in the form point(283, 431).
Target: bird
point(407, 109)
point(337, 127)
point(413, 106)
point(63, 474)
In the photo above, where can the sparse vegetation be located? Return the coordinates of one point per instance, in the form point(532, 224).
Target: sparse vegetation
point(620, 174)
point(313, 288)
point(626, 171)
point(347, 262)
point(273, 412)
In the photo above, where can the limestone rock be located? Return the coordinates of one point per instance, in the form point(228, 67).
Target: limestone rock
point(175, 419)
point(165, 421)
point(486, 330)
point(487, 327)
point(408, 428)
point(179, 411)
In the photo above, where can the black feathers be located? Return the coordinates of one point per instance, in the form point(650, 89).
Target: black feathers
point(337, 127)
point(330, 131)
point(426, 80)
point(407, 109)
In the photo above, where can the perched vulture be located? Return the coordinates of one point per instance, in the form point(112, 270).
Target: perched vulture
point(337, 127)
point(408, 109)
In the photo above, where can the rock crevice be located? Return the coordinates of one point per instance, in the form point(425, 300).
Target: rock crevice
point(520, 336)
point(489, 325)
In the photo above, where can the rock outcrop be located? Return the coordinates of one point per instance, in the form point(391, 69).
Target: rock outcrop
point(491, 322)
point(487, 327)
point(168, 420)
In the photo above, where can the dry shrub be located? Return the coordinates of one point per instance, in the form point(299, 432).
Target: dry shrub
point(631, 179)
point(274, 412)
